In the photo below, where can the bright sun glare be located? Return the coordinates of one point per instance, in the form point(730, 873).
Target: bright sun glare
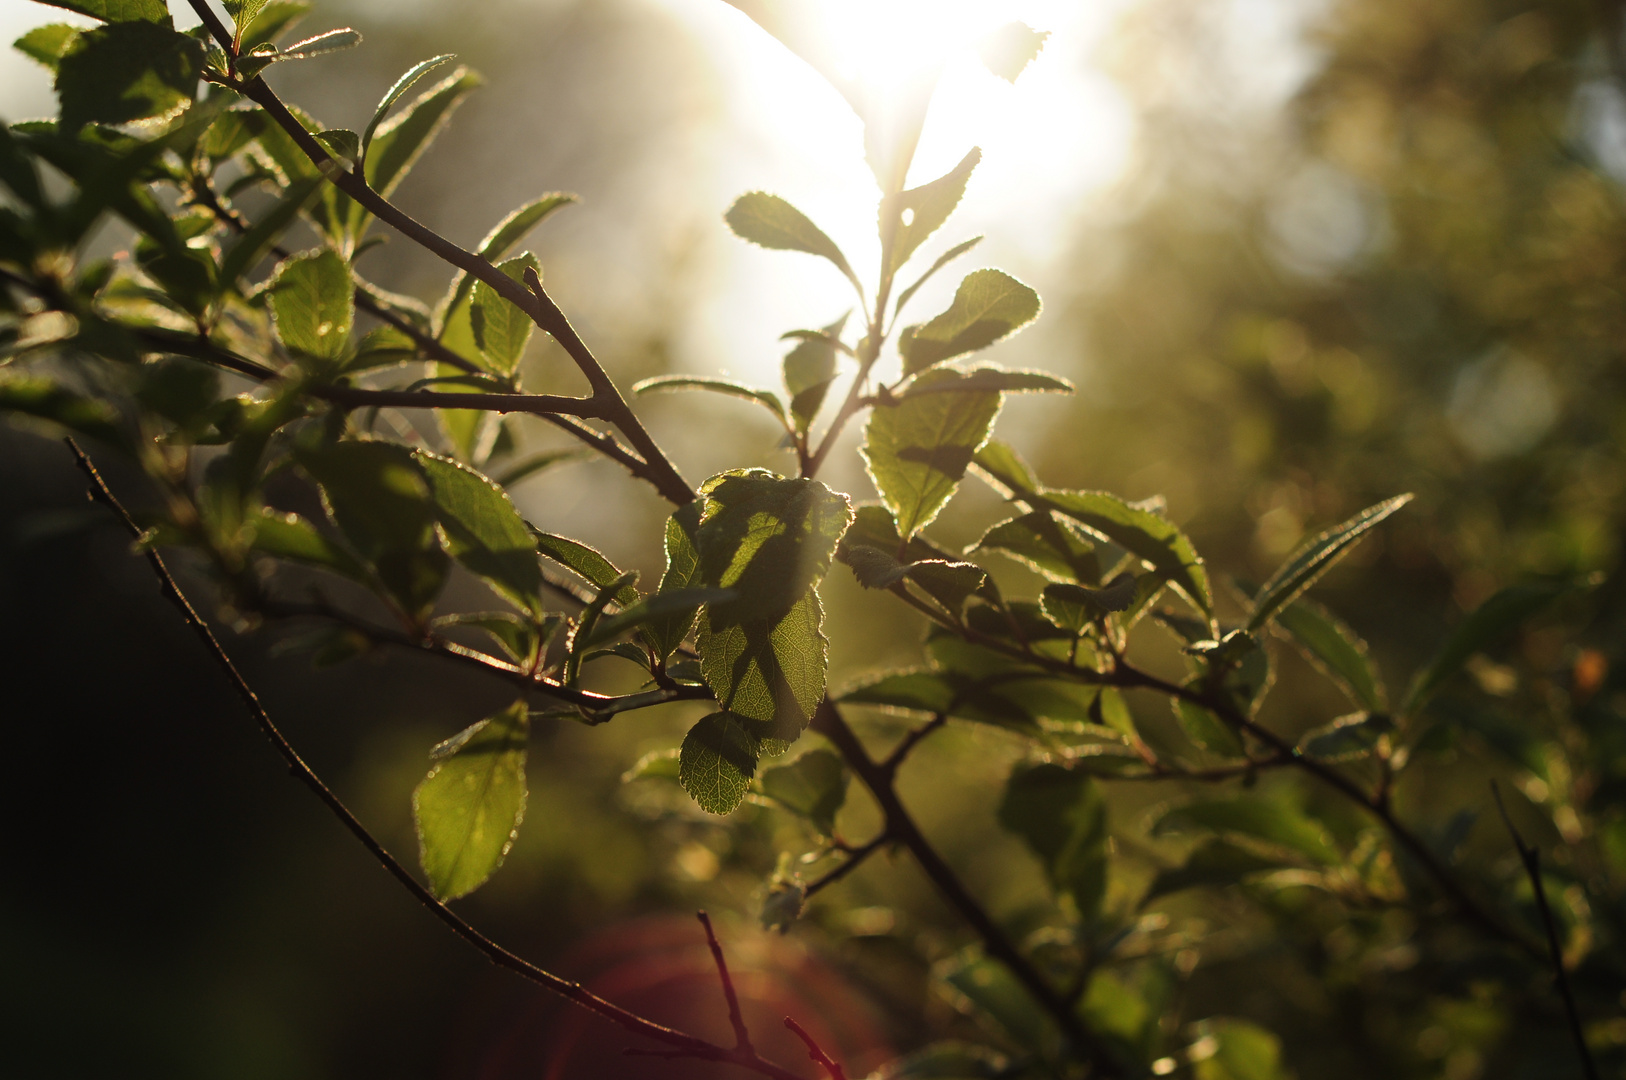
point(1058, 136)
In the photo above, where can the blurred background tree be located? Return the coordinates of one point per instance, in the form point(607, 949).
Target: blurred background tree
point(1297, 256)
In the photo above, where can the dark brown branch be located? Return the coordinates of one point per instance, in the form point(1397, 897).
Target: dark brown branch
point(530, 298)
point(687, 1045)
point(815, 1053)
point(901, 827)
point(855, 858)
point(911, 740)
point(1531, 858)
point(742, 1037)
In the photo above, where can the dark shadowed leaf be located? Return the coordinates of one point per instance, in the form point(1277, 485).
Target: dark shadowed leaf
point(1346, 738)
point(469, 807)
point(1489, 624)
point(988, 305)
point(1062, 817)
point(813, 786)
point(1314, 558)
point(918, 449)
point(126, 71)
point(1335, 649)
point(1001, 463)
point(1214, 862)
point(44, 399)
point(771, 222)
point(1206, 729)
point(717, 760)
point(517, 637)
point(666, 632)
point(483, 530)
point(1049, 546)
point(248, 249)
point(1144, 533)
point(809, 369)
point(289, 536)
point(116, 11)
point(1274, 823)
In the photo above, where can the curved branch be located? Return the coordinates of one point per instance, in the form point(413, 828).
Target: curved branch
point(684, 1043)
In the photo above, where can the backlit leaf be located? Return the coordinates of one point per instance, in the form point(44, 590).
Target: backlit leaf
point(313, 304)
point(1061, 815)
point(666, 633)
point(996, 379)
point(585, 562)
point(717, 760)
point(501, 330)
point(117, 11)
point(396, 92)
point(483, 530)
point(921, 211)
point(918, 449)
point(47, 44)
point(1346, 738)
point(942, 260)
point(468, 809)
point(771, 222)
point(1335, 649)
point(1045, 544)
point(1011, 48)
point(770, 672)
point(988, 305)
point(1143, 533)
point(766, 399)
point(1274, 823)
point(329, 41)
point(1313, 558)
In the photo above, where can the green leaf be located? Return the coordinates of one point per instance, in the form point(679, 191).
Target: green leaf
point(289, 536)
point(991, 993)
point(996, 379)
point(769, 538)
point(809, 369)
point(517, 637)
point(921, 211)
point(400, 140)
point(813, 786)
point(469, 807)
point(396, 92)
point(483, 530)
point(1213, 862)
point(1347, 738)
point(126, 71)
point(659, 606)
point(274, 20)
point(1061, 815)
point(666, 633)
point(1000, 461)
point(770, 671)
point(765, 398)
point(1205, 728)
point(1011, 48)
point(942, 260)
point(1242, 1051)
point(657, 764)
point(1335, 649)
point(1076, 606)
point(313, 304)
point(917, 450)
point(376, 494)
point(501, 330)
point(1489, 624)
point(585, 562)
point(498, 242)
point(118, 11)
point(248, 249)
point(1051, 547)
point(524, 470)
point(587, 621)
point(717, 760)
point(771, 222)
point(1141, 531)
point(1009, 697)
point(44, 399)
point(48, 44)
point(989, 305)
point(1274, 823)
point(329, 41)
point(342, 143)
point(243, 13)
point(1313, 558)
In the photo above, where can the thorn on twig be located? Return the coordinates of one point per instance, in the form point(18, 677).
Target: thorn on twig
point(1531, 858)
point(815, 1053)
point(742, 1037)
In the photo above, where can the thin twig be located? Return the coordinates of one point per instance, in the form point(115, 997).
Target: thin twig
point(742, 1037)
point(685, 1044)
point(530, 297)
point(901, 826)
point(855, 858)
point(1531, 858)
point(814, 1051)
point(911, 740)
